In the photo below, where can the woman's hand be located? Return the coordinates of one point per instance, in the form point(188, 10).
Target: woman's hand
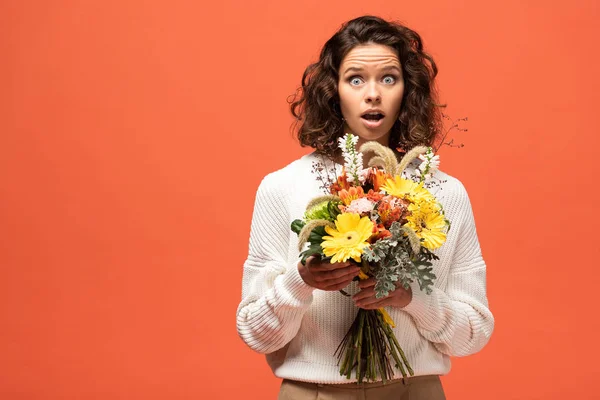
point(366, 297)
point(327, 276)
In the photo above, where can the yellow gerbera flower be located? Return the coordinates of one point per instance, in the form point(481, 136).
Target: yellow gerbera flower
point(348, 239)
point(429, 224)
point(406, 188)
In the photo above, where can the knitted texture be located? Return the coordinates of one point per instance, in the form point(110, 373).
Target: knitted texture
point(299, 327)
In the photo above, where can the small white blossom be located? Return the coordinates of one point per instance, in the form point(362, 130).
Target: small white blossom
point(429, 166)
point(364, 174)
point(434, 163)
point(418, 174)
point(353, 160)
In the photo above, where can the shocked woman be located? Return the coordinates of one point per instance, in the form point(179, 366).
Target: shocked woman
point(374, 80)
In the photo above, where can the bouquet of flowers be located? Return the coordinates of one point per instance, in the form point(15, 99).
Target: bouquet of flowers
point(386, 224)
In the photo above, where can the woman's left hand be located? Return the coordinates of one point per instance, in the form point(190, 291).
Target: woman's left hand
point(366, 297)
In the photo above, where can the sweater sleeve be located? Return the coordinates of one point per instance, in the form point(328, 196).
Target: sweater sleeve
point(457, 320)
point(274, 296)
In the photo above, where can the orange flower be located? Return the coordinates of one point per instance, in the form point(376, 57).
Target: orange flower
point(353, 193)
point(341, 183)
point(379, 232)
point(374, 196)
point(391, 209)
point(378, 178)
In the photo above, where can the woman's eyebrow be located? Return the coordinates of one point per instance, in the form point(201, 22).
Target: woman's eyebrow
point(391, 67)
point(350, 69)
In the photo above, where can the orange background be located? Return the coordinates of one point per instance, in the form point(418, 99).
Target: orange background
point(133, 136)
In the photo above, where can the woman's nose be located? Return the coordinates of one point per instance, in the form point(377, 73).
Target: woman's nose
point(372, 95)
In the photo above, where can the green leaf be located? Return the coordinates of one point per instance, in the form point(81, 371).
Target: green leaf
point(334, 210)
point(424, 275)
point(319, 211)
point(297, 226)
point(311, 251)
point(316, 235)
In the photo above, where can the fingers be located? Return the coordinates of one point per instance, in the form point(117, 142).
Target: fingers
point(330, 267)
point(366, 298)
point(366, 283)
point(330, 279)
point(371, 303)
point(339, 285)
point(339, 282)
point(322, 276)
point(364, 294)
point(315, 262)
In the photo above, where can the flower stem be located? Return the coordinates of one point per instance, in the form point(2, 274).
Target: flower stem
point(397, 345)
point(369, 347)
point(359, 364)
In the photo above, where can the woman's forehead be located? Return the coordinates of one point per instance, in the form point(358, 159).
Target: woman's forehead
point(370, 56)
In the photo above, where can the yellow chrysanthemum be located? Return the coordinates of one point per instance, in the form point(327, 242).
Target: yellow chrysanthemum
point(406, 188)
point(429, 224)
point(348, 239)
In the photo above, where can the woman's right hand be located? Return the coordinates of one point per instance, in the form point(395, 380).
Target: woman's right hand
point(327, 276)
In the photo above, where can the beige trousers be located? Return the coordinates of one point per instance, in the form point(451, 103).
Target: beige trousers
point(428, 387)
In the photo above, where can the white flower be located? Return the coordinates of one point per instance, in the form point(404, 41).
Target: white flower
point(353, 160)
point(360, 206)
point(364, 174)
point(434, 163)
point(418, 174)
point(429, 166)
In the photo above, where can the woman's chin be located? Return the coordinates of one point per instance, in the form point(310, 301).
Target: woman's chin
point(379, 135)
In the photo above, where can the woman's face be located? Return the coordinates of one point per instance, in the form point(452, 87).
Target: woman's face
point(370, 82)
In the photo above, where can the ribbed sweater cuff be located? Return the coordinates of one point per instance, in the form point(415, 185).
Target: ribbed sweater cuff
point(420, 307)
point(293, 283)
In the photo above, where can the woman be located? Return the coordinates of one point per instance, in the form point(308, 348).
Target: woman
point(374, 80)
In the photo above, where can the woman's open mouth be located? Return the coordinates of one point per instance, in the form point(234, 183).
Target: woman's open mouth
point(372, 120)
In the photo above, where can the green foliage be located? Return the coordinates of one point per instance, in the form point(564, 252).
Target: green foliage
point(320, 211)
point(327, 210)
point(315, 239)
point(313, 249)
point(393, 260)
point(297, 226)
point(396, 231)
point(424, 275)
point(427, 255)
point(316, 235)
point(334, 210)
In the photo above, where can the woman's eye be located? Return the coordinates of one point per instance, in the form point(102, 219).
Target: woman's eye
point(388, 80)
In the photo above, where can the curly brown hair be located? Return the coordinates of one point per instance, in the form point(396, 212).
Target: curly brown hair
point(316, 104)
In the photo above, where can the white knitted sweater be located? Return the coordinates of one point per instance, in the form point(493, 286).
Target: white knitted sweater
point(299, 327)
